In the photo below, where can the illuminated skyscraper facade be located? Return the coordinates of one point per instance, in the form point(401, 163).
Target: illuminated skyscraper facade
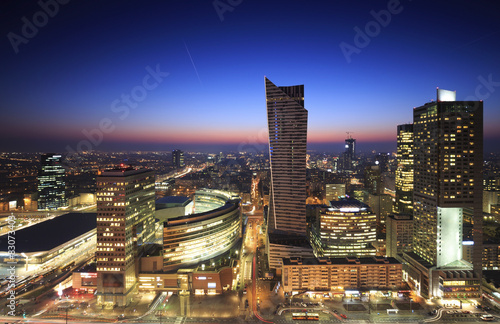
point(125, 221)
point(51, 184)
point(448, 153)
point(287, 121)
point(404, 170)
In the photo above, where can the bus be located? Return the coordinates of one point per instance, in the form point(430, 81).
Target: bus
point(305, 316)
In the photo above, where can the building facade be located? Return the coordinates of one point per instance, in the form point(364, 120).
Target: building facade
point(349, 155)
point(178, 159)
point(340, 274)
point(190, 239)
point(51, 182)
point(287, 122)
point(404, 170)
point(399, 234)
point(125, 222)
point(334, 191)
point(347, 228)
point(448, 153)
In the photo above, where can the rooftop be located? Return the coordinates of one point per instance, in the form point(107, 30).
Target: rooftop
point(173, 200)
point(51, 233)
point(288, 239)
point(348, 204)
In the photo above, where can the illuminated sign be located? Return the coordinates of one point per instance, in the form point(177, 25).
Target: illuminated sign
point(211, 285)
point(89, 275)
point(202, 278)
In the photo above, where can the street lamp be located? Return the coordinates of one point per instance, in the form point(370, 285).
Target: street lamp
point(411, 300)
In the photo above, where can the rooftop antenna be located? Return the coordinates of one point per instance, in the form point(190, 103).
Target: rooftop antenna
point(349, 134)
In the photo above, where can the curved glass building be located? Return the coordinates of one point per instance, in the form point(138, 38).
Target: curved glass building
point(212, 230)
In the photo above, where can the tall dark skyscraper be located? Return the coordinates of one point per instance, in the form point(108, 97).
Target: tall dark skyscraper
point(125, 221)
point(404, 170)
point(51, 182)
point(287, 122)
point(448, 153)
point(350, 152)
point(178, 159)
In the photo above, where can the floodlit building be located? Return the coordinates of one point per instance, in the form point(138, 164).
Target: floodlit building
point(51, 182)
point(125, 222)
point(448, 153)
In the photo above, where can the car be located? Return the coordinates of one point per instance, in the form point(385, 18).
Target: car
point(450, 312)
point(335, 311)
point(343, 315)
point(465, 312)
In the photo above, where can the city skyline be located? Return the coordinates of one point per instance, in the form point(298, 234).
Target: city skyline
point(196, 71)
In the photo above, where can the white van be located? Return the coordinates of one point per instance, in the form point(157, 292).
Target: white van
point(487, 317)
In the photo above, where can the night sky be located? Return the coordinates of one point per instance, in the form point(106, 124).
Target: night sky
point(159, 75)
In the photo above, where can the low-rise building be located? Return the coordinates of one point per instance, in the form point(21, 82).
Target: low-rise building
point(337, 275)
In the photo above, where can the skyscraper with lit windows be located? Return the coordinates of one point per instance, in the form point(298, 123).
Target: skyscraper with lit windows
point(404, 170)
point(178, 159)
point(51, 184)
point(287, 122)
point(448, 153)
point(125, 222)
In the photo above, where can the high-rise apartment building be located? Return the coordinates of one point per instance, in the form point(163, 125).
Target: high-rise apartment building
point(448, 153)
point(287, 122)
point(51, 182)
point(178, 159)
point(125, 222)
point(404, 170)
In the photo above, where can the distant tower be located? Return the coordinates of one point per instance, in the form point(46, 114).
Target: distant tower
point(404, 170)
point(125, 221)
point(51, 184)
point(287, 121)
point(349, 152)
point(178, 159)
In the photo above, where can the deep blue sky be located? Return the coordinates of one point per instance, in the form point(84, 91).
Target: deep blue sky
point(64, 79)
